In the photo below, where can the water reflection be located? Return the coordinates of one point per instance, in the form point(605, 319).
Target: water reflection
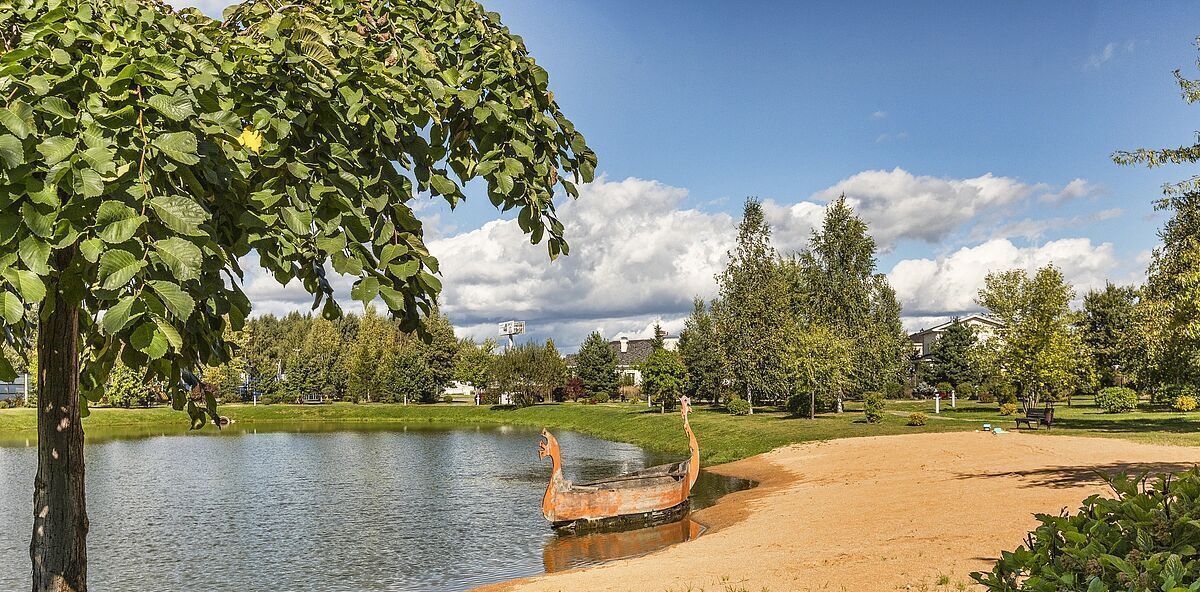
point(327, 506)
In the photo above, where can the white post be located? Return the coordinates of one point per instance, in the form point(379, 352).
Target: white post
point(937, 403)
point(750, 399)
point(953, 399)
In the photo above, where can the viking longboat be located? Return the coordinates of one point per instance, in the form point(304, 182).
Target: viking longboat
point(654, 495)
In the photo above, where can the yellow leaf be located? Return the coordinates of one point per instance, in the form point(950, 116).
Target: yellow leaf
point(251, 139)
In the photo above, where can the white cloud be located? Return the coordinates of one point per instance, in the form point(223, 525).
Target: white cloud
point(936, 289)
point(899, 205)
point(634, 256)
point(879, 115)
point(1076, 189)
point(1110, 51)
point(1034, 228)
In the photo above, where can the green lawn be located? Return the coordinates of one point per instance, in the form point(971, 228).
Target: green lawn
point(722, 437)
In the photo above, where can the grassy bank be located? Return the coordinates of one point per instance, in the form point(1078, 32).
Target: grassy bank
point(722, 437)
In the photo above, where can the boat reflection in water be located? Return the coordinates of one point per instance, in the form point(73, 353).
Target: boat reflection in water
point(569, 551)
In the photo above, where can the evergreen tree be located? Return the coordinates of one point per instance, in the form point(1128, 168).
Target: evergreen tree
point(701, 354)
point(596, 365)
point(660, 337)
point(751, 312)
point(951, 359)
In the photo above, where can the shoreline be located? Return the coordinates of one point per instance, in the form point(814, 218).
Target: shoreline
point(878, 513)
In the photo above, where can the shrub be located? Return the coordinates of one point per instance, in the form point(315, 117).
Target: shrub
point(599, 398)
point(893, 390)
point(917, 419)
point(873, 407)
point(447, 398)
point(944, 388)
point(738, 406)
point(1117, 399)
point(1166, 394)
point(1185, 403)
point(1005, 393)
point(797, 404)
point(924, 389)
point(986, 396)
point(966, 390)
point(1008, 409)
point(1144, 539)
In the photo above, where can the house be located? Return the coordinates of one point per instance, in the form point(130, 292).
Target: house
point(631, 354)
point(17, 389)
point(922, 341)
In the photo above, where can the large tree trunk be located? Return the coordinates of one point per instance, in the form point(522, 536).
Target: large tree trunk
point(60, 523)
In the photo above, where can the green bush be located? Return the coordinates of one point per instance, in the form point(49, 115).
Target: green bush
point(1144, 539)
point(1117, 399)
point(1005, 393)
point(944, 388)
point(797, 404)
point(447, 398)
point(986, 396)
point(917, 419)
point(893, 390)
point(1008, 409)
point(1165, 395)
point(598, 398)
point(873, 407)
point(966, 390)
point(738, 406)
point(1184, 403)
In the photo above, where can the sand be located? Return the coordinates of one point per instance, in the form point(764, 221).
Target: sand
point(913, 512)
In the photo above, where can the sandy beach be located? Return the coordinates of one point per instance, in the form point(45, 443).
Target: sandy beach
point(915, 512)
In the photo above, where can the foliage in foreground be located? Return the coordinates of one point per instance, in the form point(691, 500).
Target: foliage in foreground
point(1144, 539)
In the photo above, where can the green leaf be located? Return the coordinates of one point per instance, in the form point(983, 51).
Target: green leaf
point(57, 106)
point(117, 316)
point(180, 213)
point(18, 118)
point(178, 146)
point(27, 283)
point(365, 290)
point(149, 340)
point(12, 153)
point(35, 253)
point(11, 308)
point(91, 249)
point(88, 183)
point(117, 222)
point(117, 268)
point(169, 332)
point(101, 159)
point(7, 372)
point(405, 270)
point(178, 302)
point(181, 256)
point(174, 108)
point(56, 149)
point(442, 185)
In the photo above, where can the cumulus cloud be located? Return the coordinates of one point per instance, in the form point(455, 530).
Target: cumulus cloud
point(933, 290)
point(1035, 228)
point(899, 205)
point(635, 255)
point(879, 115)
point(1076, 189)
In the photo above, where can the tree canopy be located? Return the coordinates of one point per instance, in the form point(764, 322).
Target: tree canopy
point(596, 366)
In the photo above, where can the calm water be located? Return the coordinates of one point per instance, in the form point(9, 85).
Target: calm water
point(356, 508)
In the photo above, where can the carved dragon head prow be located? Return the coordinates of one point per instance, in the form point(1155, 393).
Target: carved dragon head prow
point(548, 446)
point(685, 405)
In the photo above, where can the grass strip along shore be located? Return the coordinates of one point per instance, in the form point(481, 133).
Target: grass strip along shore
point(724, 437)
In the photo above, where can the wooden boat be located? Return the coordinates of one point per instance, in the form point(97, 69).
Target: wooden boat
point(654, 495)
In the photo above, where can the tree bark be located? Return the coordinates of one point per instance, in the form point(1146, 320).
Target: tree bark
point(60, 524)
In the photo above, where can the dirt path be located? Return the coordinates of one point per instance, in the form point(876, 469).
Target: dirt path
point(887, 513)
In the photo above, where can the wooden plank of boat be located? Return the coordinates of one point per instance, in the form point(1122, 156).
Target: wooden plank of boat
point(655, 494)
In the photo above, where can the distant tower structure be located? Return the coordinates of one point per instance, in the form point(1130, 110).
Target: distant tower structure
point(510, 329)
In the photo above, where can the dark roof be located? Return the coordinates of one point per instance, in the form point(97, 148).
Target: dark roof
point(637, 352)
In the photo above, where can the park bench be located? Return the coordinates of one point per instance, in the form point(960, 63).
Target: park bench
point(1035, 418)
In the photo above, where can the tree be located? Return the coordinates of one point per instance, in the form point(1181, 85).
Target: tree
point(596, 365)
point(1037, 348)
point(751, 311)
point(368, 362)
point(1107, 317)
point(660, 337)
point(528, 372)
point(664, 378)
point(473, 361)
point(1166, 332)
point(701, 354)
point(144, 151)
point(311, 367)
point(835, 284)
point(817, 361)
point(439, 351)
point(125, 388)
point(951, 359)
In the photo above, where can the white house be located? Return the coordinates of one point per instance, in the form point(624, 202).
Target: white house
point(922, 341)
point(631, 354)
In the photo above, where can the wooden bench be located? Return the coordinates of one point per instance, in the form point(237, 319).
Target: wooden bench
point(1036, 418)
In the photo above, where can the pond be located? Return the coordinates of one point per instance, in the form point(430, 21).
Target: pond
point(328, 507)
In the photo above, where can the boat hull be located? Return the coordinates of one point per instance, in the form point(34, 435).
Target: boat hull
point(625, 521)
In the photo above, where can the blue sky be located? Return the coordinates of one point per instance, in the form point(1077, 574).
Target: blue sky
point(971, 136)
